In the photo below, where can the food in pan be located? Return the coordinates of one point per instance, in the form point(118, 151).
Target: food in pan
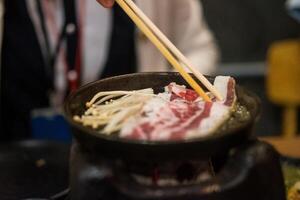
point(177, 113)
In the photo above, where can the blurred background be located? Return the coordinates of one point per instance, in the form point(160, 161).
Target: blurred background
point(245, 31)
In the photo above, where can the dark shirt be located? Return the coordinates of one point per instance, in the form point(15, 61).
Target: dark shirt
point(121, 57)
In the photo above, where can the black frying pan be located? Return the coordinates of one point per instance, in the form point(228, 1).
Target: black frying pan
point(33, 169)
point(114, 147)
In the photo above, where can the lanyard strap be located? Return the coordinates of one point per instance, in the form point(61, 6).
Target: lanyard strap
point(49, 67)
point(71, 34)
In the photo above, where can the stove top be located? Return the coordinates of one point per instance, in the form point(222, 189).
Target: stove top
point(251, 171)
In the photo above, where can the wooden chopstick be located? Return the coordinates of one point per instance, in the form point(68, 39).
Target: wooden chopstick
point(174, 49)
point(144, 28)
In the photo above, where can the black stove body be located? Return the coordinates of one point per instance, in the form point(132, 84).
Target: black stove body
point(250, 171)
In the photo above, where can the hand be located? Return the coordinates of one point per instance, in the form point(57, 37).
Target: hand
point(106, 3)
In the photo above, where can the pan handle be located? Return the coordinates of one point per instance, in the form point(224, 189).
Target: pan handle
point(61, 196)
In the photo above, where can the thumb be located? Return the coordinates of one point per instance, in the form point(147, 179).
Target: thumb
point(106, 3)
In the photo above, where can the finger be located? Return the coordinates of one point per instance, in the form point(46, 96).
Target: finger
point(106, 3)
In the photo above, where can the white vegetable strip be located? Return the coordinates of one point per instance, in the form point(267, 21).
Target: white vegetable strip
point(176, 114)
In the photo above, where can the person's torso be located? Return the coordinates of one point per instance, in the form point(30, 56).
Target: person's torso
point(26, 79)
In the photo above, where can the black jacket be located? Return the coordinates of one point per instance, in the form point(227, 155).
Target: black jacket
point(24, 85)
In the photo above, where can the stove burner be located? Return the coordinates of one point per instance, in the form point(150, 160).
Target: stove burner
point(166, 173)
point(251, 171)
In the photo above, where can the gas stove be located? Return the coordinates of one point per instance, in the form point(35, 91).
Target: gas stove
point(250, 171)
point(229, 165)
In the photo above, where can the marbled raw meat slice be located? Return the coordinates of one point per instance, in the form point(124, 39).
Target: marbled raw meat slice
point(180, 114)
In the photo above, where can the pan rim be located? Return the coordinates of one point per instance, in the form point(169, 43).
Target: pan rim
point(90, 132)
